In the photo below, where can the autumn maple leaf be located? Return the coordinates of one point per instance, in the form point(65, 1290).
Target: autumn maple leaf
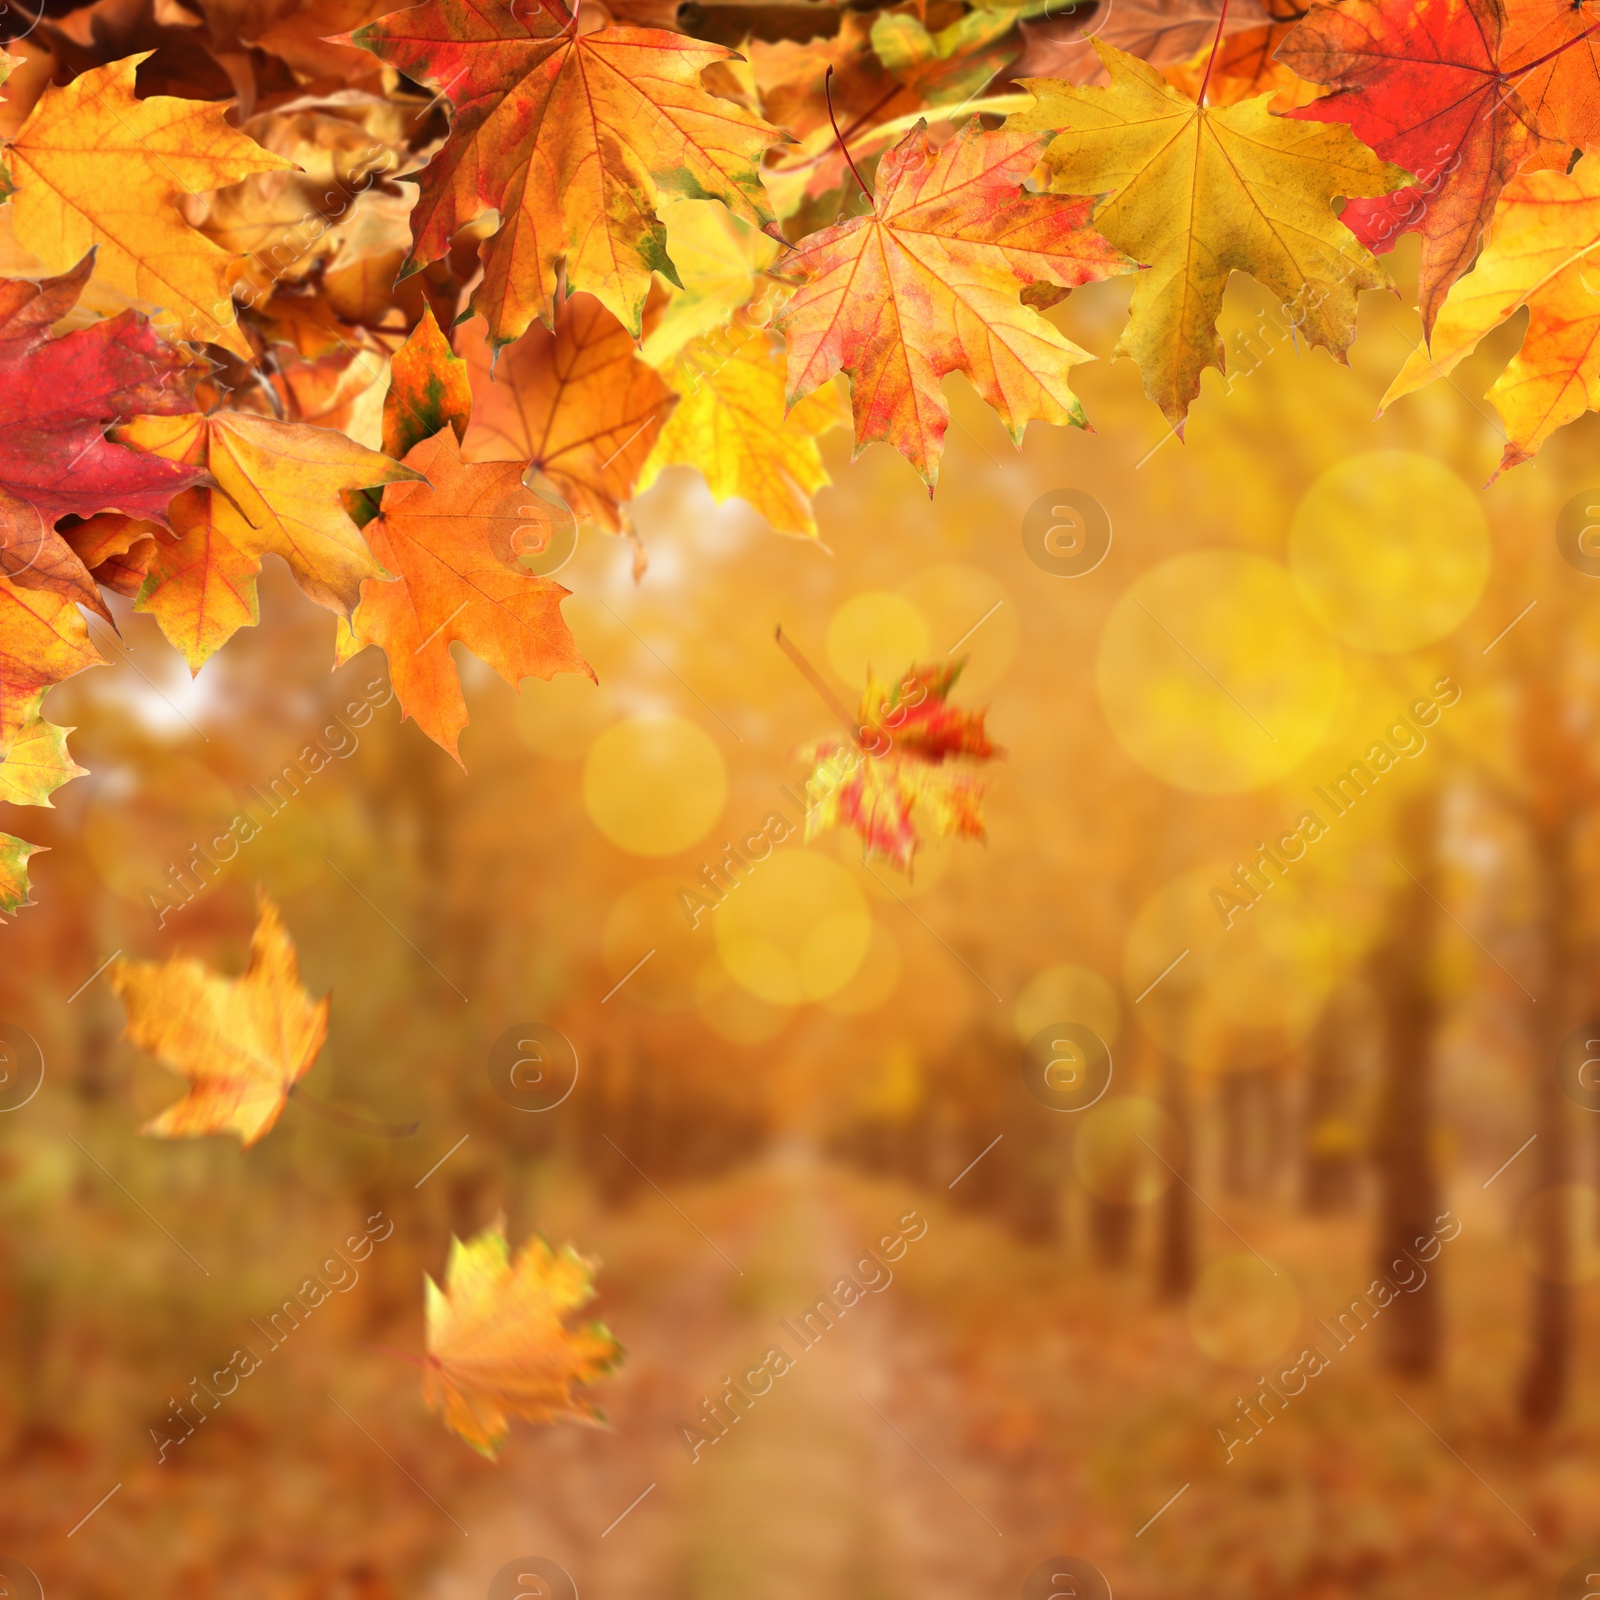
point(96, 165)
point(1420, 82)
point(1198, 192)
point(932, 283)
point(579, 404)
point(1542, 251)
point(498, 1341)
point(243, 1043)
point(35, 766)
point(574, 140)
point(279, 488)
point(897, 767)
point(452, 541)
point(57, 397)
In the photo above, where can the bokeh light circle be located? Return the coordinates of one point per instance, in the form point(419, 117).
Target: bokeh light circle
point(796, 929)
point(874, 981)
point(1390, 550)
point(1126, 1150)
point(1243, 1311)
point(877, 632)
point(1066, 1066)
point(654, 785)
point(1213, 675)
point(1065, 993)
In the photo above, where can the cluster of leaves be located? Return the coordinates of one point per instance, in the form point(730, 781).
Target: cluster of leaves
point(247, 230)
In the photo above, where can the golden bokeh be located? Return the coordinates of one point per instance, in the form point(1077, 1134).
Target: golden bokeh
point(654, 785)
point(1389, 550)
point(878, 632)
point(1213, 675)
point(647, 923)
point(1244, 1311)
point(796, 929)
point(1126, 1149)
point(970, 614)
point(1066, 993)
point(875, 980)
point(731, 1011)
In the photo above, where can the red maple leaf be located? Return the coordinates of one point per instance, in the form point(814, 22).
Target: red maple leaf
point(57, 398)
point(1420, 82)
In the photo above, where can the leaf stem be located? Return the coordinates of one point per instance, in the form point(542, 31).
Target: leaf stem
point(844, 149)
point(1211, 60)
point(348, 1119)
point(1550, 55)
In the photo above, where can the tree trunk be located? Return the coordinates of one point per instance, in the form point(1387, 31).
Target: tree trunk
point(1110, 1231)
point(1545, 1378)
point(1331, 1170)
point(1175, 1270)
point(1403, 1143)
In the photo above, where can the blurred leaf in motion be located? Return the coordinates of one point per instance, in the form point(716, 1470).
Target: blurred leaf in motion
point(243, 1043)
point(498, 1343)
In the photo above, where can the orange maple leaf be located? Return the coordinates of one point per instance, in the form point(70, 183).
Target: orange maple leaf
point(904, 736)
point(578, 404)
point(498, 1345)
point(454, 541)
point(932, 282)
point(243, 1043)
point(574, 140)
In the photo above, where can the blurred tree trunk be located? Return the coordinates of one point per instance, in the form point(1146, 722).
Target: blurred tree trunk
point(1331, 1168)
point(1557, 771)
point(1175, 1268)
point(1234, 1105)
point(1110, 1231)
point(1402, 974)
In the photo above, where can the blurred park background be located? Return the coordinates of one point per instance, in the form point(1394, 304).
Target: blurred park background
point(1371, 1056)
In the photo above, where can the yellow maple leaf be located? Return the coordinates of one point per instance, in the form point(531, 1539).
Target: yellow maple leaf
point(94, 165)
point(498, 1345)
point(1195, 193)
point(279, 488)
point(1542, 251)
point(243, 1043)
point(730, 424)
point(37, 764)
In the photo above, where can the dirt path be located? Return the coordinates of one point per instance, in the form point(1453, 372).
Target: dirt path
point(846, 1478)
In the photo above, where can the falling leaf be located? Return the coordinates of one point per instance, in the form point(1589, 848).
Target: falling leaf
point(1196, 193)
point(452, 541)
point(579, 404)
point(897, 770)
point(498, 1341)
point(56, 397)
point(1542, 251)
point(729, 423)
point(243, 1043)
point(1419, 81)
point(94, 165)
point(278, 490)
point(931, 283)
point(575, 140)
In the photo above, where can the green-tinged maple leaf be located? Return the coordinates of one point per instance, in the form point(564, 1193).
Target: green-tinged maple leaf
point(1195, 193)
